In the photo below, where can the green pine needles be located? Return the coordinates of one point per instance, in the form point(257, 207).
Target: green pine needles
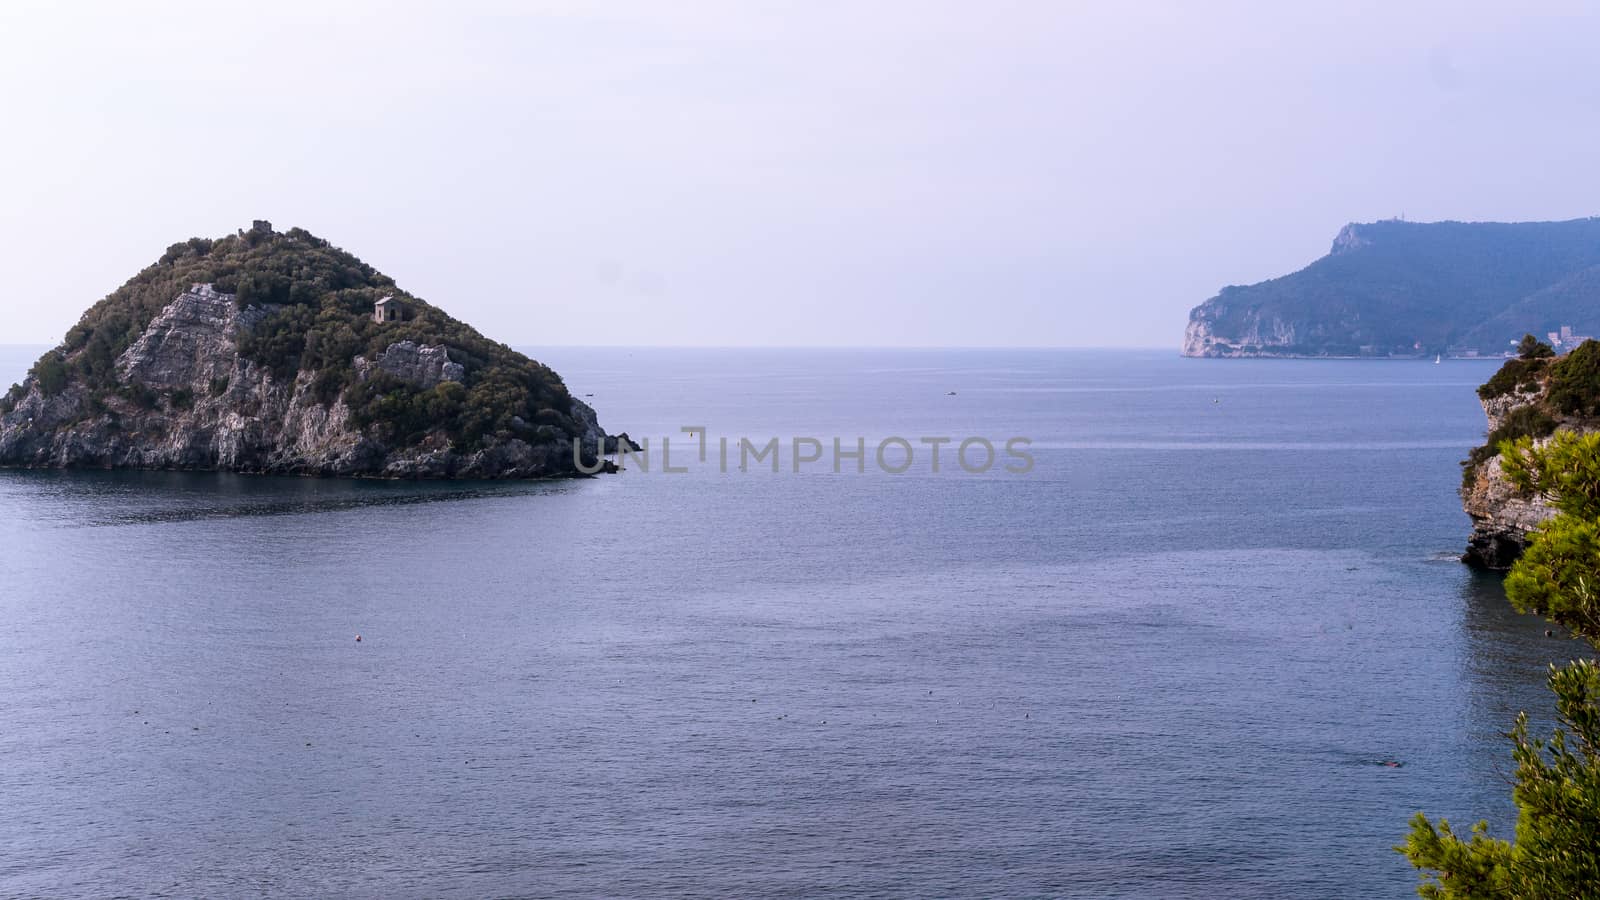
point(1556, 851)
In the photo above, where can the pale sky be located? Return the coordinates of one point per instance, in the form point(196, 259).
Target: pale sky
point(809, 173)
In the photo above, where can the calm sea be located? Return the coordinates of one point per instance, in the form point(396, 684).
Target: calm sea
point(1170, 661)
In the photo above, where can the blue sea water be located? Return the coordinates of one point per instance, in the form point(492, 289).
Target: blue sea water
point(1168, 661)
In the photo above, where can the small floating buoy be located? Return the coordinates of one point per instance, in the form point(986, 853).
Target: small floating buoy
point(358, 638)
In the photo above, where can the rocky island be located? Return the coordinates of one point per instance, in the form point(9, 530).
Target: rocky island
point(1397, 288)
point(1532, 396)
point(280, 353)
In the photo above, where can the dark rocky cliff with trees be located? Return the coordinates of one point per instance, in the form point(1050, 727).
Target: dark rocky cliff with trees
point(261, 352)
point(1531, 398)
point(1545, 449)
point(1398, 288)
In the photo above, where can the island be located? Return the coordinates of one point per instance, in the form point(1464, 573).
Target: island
point(271, 352)
point(1414, 289)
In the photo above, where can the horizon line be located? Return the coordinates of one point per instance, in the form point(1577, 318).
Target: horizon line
point(1175, 349)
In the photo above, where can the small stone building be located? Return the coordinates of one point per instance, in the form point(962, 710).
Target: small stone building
point(386, 310)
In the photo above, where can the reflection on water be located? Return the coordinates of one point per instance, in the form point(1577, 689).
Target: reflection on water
point(101, 498)
point(1507, 657)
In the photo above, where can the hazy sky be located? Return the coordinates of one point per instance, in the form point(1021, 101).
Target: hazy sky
point(740, 173)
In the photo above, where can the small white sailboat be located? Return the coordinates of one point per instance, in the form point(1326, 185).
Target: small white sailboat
point(1436, 359)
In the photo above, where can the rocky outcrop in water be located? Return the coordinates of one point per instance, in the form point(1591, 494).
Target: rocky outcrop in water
point(1502, 516)
point(189, 402)
point(215, 380)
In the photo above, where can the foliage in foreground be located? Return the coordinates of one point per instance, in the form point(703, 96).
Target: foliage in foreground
point(1556, 851)
point(1556, 854)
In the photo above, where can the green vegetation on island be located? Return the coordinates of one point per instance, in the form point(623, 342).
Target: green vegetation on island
point(316, 304)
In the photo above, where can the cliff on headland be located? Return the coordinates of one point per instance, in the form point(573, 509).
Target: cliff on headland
point(277, 352)
point(1532, 396)
point(1397, 288)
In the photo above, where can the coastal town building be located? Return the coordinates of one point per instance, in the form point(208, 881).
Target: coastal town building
point(1566, 338)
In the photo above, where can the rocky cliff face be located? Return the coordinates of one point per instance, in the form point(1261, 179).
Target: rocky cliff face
point(187, 399)
point(1349, 239)
point(419, 364)
point(1252, 335)
point(1502, 517)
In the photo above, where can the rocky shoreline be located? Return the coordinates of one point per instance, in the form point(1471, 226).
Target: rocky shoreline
point(1502, 517)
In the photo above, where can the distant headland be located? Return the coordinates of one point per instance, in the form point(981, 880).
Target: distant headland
point(277, 352)
point(1411, 289)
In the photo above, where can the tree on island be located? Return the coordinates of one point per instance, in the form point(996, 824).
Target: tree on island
point(1556, 851)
